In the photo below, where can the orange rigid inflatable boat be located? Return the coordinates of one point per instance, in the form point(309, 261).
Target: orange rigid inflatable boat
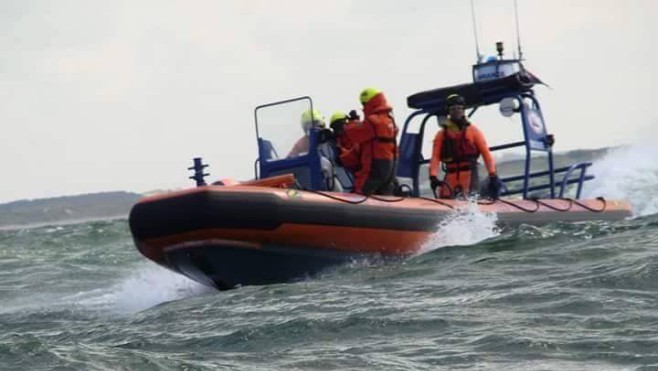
point(226, 236)
point(297, 217)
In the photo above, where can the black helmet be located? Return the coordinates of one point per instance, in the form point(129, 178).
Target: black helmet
point(455, 100)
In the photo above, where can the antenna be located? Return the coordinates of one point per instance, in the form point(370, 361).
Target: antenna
point(475, 32)
point(518, 35)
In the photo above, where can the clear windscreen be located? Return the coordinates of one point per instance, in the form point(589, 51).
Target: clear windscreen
point(281, 125)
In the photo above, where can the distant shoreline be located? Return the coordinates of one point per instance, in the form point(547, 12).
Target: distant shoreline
point(115, 205)
point(61, 223)
point(66, 209)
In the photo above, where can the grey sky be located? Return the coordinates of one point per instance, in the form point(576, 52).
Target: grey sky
point(120, 95)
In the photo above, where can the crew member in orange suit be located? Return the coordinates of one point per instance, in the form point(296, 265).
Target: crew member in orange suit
point(348, 153)
point(458, 146)
point(375, 140)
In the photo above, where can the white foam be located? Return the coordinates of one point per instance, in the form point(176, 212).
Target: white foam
point(464, 227)
point(629, 173)
point(152, 285)
point(148, 286)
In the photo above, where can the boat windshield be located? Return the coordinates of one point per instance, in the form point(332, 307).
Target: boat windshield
point(281, 130)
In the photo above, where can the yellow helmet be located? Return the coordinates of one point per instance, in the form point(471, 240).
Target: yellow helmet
point(367, 94)
point(337, 116)
point(312, 119)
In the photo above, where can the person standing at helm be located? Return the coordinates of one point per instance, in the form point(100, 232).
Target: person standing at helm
point(310, 119)
point(375, 139)
point(458, 146)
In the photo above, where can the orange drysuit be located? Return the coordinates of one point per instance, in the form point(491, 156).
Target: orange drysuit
point(349, 151)
point(375, 146)
point(459, 151)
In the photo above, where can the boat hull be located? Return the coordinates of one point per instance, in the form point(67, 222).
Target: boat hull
point(246, 235)
point(225, 265)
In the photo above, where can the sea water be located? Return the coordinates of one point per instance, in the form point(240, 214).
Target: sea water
point(559, 297)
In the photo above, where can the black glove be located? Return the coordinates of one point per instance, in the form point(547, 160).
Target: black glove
point(434, 182)
point(494, 187)
point(353, 115)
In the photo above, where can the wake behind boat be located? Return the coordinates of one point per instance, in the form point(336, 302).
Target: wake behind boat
point(298, 217)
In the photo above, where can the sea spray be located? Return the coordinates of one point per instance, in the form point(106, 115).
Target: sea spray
point(466, 226)
point(150, 285)
point(627, 173)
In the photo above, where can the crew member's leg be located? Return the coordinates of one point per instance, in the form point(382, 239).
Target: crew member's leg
point(381, 177)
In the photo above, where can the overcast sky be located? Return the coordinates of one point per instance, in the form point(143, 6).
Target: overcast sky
point(120, 95)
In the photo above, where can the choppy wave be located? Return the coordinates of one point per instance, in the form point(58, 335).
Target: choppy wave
point(562, 296)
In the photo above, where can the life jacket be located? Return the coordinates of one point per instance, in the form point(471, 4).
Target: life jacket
point(379, 114)
point(458, 152)
point(372, 139)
